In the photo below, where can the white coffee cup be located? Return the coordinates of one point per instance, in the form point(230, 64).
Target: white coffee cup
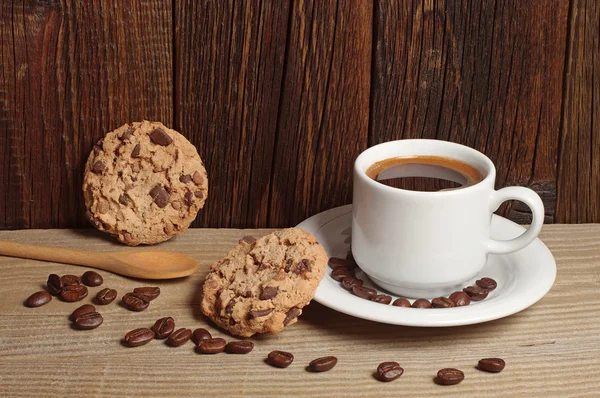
point(427, 244)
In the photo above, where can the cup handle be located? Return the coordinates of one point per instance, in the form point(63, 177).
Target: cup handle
point(531, 199)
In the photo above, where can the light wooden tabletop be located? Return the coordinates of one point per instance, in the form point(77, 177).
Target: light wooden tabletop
point(551, 349)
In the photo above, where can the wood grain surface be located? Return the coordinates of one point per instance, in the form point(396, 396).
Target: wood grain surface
point(551, 349)
point(280, 96)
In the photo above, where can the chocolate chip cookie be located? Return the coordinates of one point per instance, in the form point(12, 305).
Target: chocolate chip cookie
point(144, 183)
point(263, 284)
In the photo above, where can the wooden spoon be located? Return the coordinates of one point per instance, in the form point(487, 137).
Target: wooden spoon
point(137, 264)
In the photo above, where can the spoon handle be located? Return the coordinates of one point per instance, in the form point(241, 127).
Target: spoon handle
point(47, 253)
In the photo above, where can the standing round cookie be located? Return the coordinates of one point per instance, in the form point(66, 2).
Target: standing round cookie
point(262, 285)
point(144, 183)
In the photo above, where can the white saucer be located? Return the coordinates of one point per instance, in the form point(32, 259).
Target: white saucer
point(523, 277)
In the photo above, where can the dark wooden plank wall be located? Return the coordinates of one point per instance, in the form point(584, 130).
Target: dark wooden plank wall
point(279, 96)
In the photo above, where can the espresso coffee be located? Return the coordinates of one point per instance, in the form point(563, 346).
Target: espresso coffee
point(424, 173)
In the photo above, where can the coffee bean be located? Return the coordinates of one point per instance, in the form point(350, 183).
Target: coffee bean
point(160, 137)
point(163, 327)
point(149, 293)
point(138, 337)
point(89, 320)
point(476, 293)
point(421, 303)
point(382, 298)
point(38, 299)
point(185, 178)
point(442, 302)
point(340, 273)
point(449, 376)
point(54, 284)
point(336, 262)
point(91, 278)
point(200, 334)
point(401, 302)
point(136, 151)
point(487, 284)
point(293, 313)
point(134, 303)
point(364, 292)
point(268, 292)
point(280, 359)
point(460, 299)
point(349, 282)
point(259, 313)
point(388, 371)
point(179, 337)
point(239, 347)
point(106, 296)
point(248, 240)
point(73, 293)
point(98, 166)
point(211, 346)
point(70, 280)
point(322, 364)
point(493, 365)
point(84, 309)
point(160, 196)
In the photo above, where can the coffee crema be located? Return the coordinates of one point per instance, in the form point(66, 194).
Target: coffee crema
point(424, 173)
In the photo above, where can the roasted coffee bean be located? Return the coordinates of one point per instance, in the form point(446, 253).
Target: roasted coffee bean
point(364, 292)
point(487, 283)
point(442, 302)
point(248, 240)
point(73, 293)
point(70, 280)
point(239, 347)
point(87, 321)
point(259, 313)
point(449, 376)
point(91, 278)
point(388, 371)
point(134, 303)
point(268, 292)
point(160, 137)
point(280, 359)
point(293, 313)
point(336, 262)
point(54, 284)
point(476, 293)
point(382, 298)
point(138, 337)
point(460, 299)
point(322, 364)
point(199, 335)
point(351, 261)
point(38, 299)
point(349, 282)
point(340, 273)
point(149, 293)
point(84, 309)
point(401, 302)
point(421, 303)
point(106, 296)
point(493, 365)
point(179, 337)
point(163, 327)
point(160, 196)
point(211, 346)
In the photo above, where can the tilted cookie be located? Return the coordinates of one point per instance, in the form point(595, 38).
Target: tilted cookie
point(144, 183)
point(262, 285)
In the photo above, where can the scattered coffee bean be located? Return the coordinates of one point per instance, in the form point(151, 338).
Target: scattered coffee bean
point(349, 282)
point(341, 272)
point(280, 359)
point(388, 371)
point(421, 303)
point(160, 196)
point(449, 376)
point(239, 347)
point(401, 302)
point(476, 293)
point(134, 303)
point(442, 302)
point(163, 327)
point(322, 364)
point(460, 299)
point(487, 284)
point(149, 293)
point(138, 337)
point(382, 298)
point(199, 335)
point(268, 292)
point(212, 346)
point(89, 320)
point(364, 292)
point(84, 309)
point(106, 296)
point(336, 262)
point(292, 314)
point(92, 279)
point(70, 280)
point(160, 137)
point(72, 293)
point(179, 337)
point(38, 299)
point(54, 284)
point(493, 365)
